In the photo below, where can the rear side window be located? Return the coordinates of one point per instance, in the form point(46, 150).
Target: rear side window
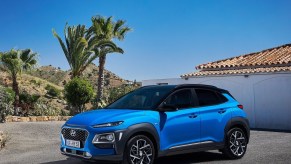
point(181, 99)
point(208, 97)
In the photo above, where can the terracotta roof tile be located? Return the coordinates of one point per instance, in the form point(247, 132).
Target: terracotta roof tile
point(276, 59)
point(273, 56)
point(239, 71)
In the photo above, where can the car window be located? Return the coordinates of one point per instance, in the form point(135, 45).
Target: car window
point(222, 98)
point(181, 99)
point(207, 97)
point(142, 98)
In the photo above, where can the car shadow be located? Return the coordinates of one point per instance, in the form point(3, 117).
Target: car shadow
point(192, 158)
point(198, 157)
point(70, 160)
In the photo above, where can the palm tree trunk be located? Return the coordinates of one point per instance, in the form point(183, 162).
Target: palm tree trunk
point(16, 90)
point(102, 60)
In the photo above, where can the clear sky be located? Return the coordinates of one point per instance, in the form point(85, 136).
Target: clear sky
point(169, 37)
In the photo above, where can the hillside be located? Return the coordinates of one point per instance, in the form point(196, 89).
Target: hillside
point(60, 77)
point(34, 85)
point(36, 82)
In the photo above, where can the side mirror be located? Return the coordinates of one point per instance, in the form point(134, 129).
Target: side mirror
point(167, 107)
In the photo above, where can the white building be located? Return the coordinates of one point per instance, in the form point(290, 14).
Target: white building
point(260, 81)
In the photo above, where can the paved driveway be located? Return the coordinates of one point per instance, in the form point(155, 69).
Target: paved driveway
point(38, 142)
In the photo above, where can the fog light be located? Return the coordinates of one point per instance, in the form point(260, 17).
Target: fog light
point(104, 138)
point(88, 155)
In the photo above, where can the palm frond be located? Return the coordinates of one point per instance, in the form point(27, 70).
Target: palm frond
point(64, 47)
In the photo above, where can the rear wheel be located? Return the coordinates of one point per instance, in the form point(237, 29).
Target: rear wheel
point(139, 150)
point(236, 144)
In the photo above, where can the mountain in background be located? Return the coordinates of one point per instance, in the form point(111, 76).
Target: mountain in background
point(60, 77)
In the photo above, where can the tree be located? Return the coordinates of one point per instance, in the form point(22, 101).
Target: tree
point(15, 61)
point(78, 48)
point(78, 92)
point(106, 29)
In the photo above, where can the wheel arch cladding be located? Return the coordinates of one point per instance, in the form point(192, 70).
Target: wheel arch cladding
point(241, 123)
point(145, 129)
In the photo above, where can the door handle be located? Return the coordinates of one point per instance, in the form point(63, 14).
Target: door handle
point(220, 111)
point(193, 116)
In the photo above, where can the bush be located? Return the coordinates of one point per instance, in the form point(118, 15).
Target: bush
point(27, 102)
point(78, 92)
point(53, 91)
point(41, 108)
point(6, 102)
point(24, 97)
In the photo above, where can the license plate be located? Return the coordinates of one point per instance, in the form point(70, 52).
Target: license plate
point(73, 143)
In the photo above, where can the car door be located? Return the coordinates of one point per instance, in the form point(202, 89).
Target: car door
point(214, 115)
point(182, 126)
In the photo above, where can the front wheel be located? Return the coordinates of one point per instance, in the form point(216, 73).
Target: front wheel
point(139, 150)
point(235, 144)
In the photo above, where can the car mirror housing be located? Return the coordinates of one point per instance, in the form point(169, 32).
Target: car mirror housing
point(167, 107)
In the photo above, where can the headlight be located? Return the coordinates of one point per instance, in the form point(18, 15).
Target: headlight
point(104, 138)
point(108, 124)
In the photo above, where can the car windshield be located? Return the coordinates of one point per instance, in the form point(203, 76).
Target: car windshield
point(142, 98)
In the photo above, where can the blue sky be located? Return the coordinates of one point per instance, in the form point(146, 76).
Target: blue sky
point(169, 37)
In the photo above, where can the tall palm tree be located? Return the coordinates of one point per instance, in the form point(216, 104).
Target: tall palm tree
point(106, 29)
point(15, 61)
point(78, 47)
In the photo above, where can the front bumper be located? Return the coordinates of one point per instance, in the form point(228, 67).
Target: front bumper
point(100, 152)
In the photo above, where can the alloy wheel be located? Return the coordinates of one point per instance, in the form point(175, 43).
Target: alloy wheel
point(237, 143)
point(141, 152)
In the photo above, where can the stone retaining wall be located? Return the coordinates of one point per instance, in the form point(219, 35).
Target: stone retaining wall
point(36, 118)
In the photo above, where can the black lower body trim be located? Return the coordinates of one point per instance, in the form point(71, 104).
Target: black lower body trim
point(191, 149)
point(98, 158)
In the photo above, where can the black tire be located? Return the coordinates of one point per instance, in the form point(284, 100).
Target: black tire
point(142, 148)
point(235, 144)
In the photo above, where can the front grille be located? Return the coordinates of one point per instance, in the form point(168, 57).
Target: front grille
point(75, 134)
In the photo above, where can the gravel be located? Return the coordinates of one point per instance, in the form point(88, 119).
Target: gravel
point(38, 142)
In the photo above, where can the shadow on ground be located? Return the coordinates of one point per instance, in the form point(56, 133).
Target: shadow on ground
point(177, 159)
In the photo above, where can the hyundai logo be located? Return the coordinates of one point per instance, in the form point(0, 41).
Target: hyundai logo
point(73, 133)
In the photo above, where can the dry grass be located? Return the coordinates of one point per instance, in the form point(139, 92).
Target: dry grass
point(3, 139)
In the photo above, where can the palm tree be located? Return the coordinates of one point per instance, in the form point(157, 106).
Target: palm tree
point(106, 29)
point(78, 48)
point(15, 61)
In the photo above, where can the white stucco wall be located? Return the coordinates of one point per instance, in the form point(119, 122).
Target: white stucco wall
point(266, 97)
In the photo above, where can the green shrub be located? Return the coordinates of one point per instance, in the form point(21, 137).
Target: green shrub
point(24, 97)
point(41, 108)
point(53, 91)
point(78, 92)
point(6, 102)
point(27, 102)
point(10, 95)
point(65, 112)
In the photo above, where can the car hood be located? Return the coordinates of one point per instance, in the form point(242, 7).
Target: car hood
point(100, 116)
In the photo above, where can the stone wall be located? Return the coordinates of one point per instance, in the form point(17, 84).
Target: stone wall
point(36, 118)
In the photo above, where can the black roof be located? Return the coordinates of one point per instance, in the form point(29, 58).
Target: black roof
point(203, 86)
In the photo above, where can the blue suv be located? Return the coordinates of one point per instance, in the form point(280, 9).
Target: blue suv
point(156, 121)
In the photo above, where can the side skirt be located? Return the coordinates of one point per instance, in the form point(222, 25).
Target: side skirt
point(191, 148)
